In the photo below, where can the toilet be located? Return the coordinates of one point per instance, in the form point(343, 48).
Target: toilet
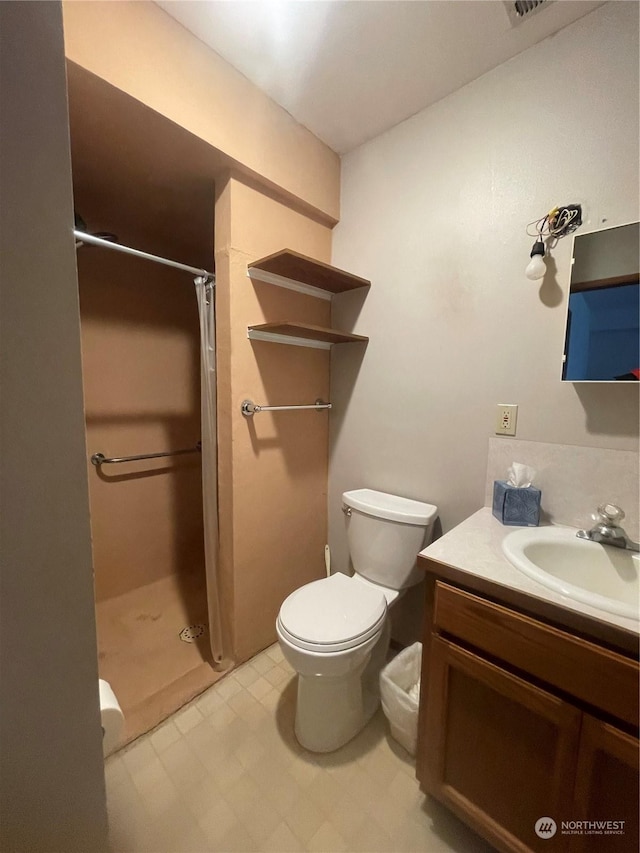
point(334, 632)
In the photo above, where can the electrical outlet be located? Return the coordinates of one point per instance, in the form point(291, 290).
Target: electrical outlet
point(507, 417)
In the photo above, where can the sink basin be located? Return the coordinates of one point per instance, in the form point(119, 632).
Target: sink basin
point(599, 575)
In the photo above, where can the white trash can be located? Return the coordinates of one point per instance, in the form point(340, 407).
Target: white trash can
point(400, 695)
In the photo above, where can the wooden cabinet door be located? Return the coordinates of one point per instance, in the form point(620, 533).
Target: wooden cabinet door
point(606, 787)
point(498, 751)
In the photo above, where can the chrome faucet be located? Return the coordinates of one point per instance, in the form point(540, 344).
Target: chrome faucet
point(607, 529)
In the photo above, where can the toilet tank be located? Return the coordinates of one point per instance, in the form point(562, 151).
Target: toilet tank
point(385, 534)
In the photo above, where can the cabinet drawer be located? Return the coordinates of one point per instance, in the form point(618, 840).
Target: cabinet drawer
point(589, 672)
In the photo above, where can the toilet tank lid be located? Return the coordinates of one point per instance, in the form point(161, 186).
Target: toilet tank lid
point(391, 507)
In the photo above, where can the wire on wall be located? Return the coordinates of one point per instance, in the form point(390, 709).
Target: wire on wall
point(559, 222)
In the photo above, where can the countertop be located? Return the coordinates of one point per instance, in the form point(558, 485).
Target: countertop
point(474, 550)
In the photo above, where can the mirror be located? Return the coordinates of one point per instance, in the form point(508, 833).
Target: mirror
point(602, 340)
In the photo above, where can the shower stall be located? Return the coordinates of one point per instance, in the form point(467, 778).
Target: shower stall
point(148, 338)
point(144, 193)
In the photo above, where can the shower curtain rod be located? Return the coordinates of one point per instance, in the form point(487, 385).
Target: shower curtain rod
point(108, 244)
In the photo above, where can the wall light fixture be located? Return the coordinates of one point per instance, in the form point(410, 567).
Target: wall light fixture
point(560, 221)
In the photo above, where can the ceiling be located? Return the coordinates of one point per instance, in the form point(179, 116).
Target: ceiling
point(348, 71)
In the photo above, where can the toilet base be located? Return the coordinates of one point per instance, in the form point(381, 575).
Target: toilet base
point(330, 711)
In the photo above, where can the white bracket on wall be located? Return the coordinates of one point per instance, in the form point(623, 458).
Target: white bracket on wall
point(272, 337)
point(256, 274)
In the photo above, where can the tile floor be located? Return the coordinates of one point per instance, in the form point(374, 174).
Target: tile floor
point(226, 774)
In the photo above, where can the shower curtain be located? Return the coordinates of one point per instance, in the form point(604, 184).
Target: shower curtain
point(218, 631)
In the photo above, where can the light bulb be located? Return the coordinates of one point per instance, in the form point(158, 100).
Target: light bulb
point(536, 268)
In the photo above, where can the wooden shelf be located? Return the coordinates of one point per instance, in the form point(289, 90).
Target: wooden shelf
point(302, 335)
point(297, 272)
point(601, 283)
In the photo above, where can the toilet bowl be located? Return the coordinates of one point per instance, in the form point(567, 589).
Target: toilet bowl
point(335, 632)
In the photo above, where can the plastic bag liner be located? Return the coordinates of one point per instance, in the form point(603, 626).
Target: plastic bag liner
point(399, 692)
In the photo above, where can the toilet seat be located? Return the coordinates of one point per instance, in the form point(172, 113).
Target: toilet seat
point(332, 614)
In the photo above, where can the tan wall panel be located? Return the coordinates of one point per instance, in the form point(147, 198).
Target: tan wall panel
point(225, 567)
point(141, 371)
point(278, 462)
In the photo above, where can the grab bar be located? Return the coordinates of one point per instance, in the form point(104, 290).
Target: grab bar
point(100, 459)
point(249, 408)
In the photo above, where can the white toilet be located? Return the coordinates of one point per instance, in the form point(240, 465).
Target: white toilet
point(335, 633)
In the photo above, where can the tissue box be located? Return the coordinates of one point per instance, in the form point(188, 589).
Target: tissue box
point(516, 507)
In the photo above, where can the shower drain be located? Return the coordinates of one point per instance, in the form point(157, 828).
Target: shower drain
point(192, 632)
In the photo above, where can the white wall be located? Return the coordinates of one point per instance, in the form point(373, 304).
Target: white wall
point(434, 212)
point(51, 773)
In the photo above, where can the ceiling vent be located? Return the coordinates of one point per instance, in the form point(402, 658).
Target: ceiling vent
point(522, 10)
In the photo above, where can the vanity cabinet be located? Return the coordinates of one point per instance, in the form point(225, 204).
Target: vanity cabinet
point(607, 783)
point(520, 719)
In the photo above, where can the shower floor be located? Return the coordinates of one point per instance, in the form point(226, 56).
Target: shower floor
point(152, 671)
